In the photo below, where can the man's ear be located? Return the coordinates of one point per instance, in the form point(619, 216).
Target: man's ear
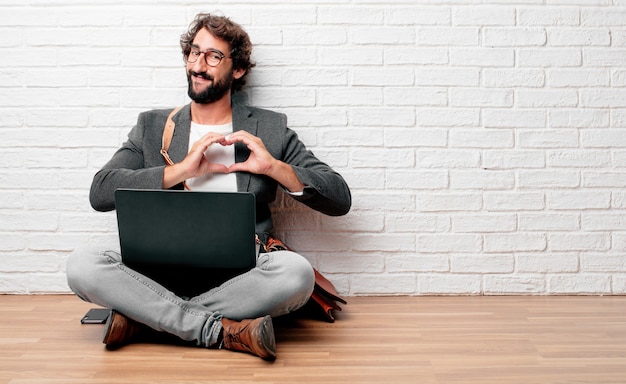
point(238, 73)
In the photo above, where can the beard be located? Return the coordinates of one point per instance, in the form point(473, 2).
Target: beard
point(213, 92)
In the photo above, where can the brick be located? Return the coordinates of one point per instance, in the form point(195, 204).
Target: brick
point(514, 242)
point(434, 76)
point(510, 159)
point(398, 117)
point(482, 180)
point(414, 56)
point(416, 96)
point(434, 15)
point(350, 15)
point(398, 263)
point(481, 138)
point(546, 98)
point(603, 98)
point(581, 241)
point(516, 118)
point(383, 77)
point(549, 222)
point(335, 118)
point(514, 201)
point(416, 180)
point(483, 15)
point(13, 283)
point(554, 262)
point(514, 284)
point(618, 78)
point(513, 77)
point(48, 282)
point(604, 179)
point(579, 199)
point(578, 118)
point(11, 242)
point(356, 96)
point(418, 137)
point(383, 35)
point(482, 264)
point(448, 117)
point(603, 16)
point(449, 284)
point(549, 139)
point(578, 37)
point(579, 284)
point(598, 262)
point(14, 221)
point(577, 158)
point(383, 284)
point(513, 37)
point(549, 57)
point(484, 223)
point(548, 179)
point(310, 36)
point(380, 157)
point(603, 138)
point(603, 222)
point(448, 159)
point(483, 57)
point(352, 264)
point(418, 223)
point(489, 98)
point(383, 201)
point(315, 77)
point(448, 36)
point(440, 202)
point(561, 16)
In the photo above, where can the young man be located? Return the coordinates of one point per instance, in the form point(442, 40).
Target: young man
point(219, 145)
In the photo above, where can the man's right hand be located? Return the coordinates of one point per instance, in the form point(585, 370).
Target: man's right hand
point(195, 163)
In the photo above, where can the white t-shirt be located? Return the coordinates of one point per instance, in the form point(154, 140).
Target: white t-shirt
point(216, 153)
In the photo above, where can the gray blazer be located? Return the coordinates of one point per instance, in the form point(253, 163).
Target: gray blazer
point(139, 164)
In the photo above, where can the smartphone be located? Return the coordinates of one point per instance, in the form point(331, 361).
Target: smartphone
point(96, 316)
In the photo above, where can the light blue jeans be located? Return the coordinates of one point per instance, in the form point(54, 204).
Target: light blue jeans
point(281, 282)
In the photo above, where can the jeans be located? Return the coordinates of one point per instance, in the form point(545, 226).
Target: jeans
point(281, 282)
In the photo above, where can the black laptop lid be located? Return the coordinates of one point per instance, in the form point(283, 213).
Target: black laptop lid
point(186, 229)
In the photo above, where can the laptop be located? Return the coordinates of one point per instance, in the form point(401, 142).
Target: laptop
point(184, 230)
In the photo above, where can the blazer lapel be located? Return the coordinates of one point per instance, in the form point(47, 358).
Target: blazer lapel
point(242, 121)
point(179, 146)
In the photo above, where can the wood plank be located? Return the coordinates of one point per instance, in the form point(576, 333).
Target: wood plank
point(467, 339)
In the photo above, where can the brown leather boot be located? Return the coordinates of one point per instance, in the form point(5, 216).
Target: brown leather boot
point(255, 336)
point(120, 330)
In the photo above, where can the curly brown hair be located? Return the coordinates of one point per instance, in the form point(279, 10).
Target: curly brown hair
point(229, 31)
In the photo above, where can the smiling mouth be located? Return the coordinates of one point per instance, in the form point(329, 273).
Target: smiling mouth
point(202, 76)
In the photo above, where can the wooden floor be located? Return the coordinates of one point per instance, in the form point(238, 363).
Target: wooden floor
point(502, 340)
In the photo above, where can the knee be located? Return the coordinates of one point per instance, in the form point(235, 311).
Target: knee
point(299, 274)
point(81, 270)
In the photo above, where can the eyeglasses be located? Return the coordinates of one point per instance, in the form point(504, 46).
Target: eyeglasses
point(212, 57)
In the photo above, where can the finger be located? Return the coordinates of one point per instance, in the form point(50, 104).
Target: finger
point(207, 140)
point(238, 167)
point(217, 168)
point(241, 136)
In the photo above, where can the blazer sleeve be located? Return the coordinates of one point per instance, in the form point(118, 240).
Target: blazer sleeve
point(326, 191)
point(127, 168)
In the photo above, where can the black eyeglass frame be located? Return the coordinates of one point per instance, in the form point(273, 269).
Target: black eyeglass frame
point(194, 54)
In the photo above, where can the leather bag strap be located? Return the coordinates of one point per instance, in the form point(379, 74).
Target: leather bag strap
point(168, 133)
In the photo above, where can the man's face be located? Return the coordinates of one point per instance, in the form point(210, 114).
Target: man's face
point(208, 84)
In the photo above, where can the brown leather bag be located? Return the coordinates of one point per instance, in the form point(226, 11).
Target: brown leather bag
point(324, 294)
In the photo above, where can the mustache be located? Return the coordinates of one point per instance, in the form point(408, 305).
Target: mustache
point(204, 75)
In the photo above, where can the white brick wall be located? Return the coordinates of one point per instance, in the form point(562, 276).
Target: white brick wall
point(483, 140)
